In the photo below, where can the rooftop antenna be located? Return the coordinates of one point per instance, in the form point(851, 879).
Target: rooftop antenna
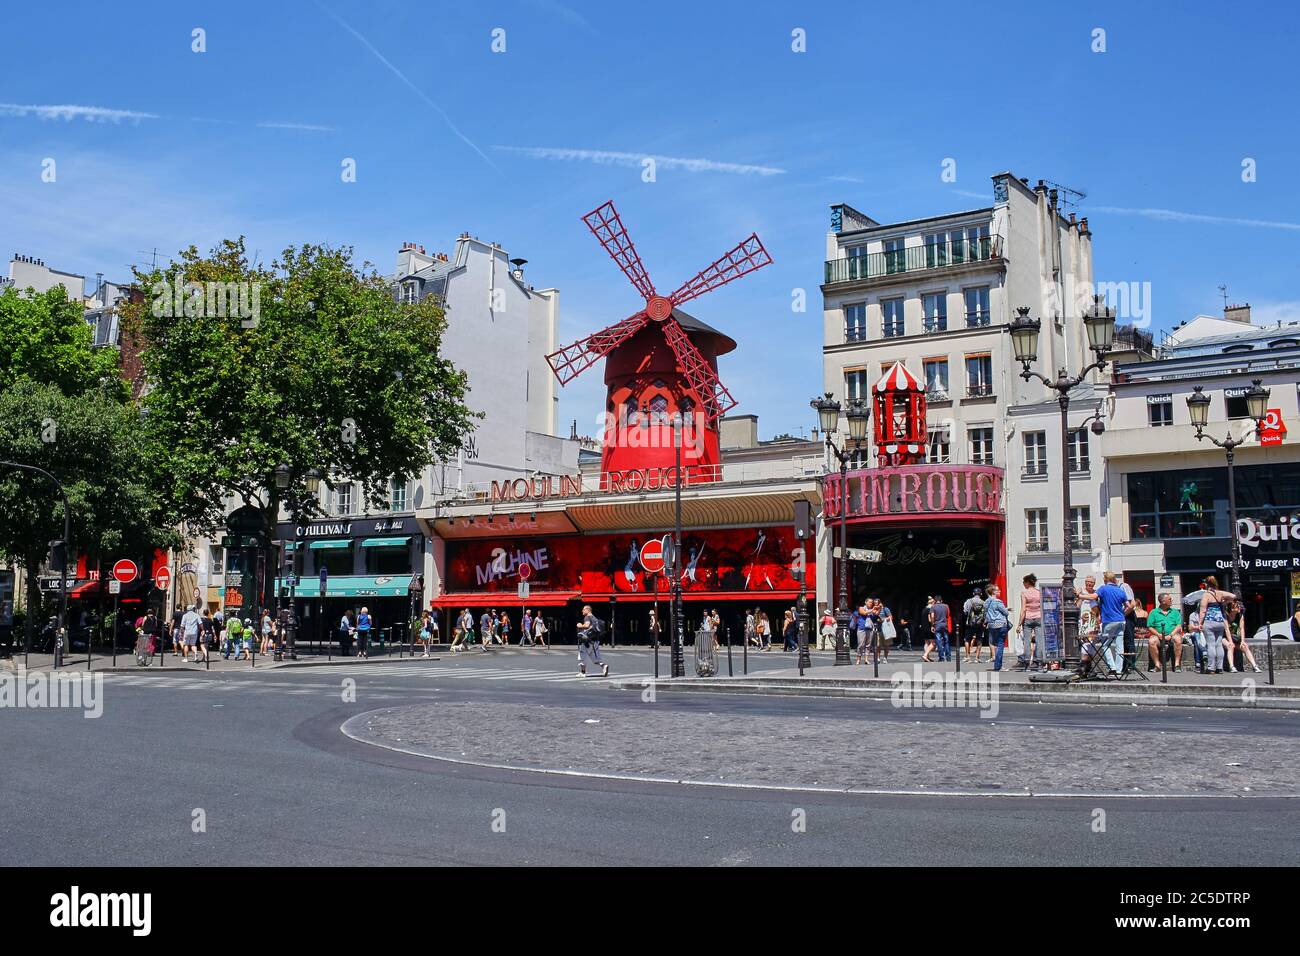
point(154, 253)
point(1223, 291)
point(1069, 197)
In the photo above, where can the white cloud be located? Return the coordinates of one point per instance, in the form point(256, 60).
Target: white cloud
point(307, 127)
point(1268, 312)
point(611, 158)
point(1174, 215)
point(91, 114)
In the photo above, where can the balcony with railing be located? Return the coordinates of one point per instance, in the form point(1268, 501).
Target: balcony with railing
point(1034, 469)
point(979, 390)
point(1036, 544)
point(978, 320)
point(874, 266)
point(933, 324)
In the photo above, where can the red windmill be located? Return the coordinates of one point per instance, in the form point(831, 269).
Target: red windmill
point(659, 360)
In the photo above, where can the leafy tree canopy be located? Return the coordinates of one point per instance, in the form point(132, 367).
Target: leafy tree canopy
point(46, 339)
point(94, 444)
point(310, 363)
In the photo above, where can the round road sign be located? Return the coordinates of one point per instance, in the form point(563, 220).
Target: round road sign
point(163, 578)
point(125, 571)
point(652, 556)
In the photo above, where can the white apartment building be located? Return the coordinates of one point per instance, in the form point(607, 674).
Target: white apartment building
point(936, 294)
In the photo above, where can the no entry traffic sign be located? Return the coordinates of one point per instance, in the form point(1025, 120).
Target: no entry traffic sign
point(125, 571)
point(163, 578)
point(652, 556)
point(525, 571)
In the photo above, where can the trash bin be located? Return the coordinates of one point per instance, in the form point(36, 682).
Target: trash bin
point(706, 660)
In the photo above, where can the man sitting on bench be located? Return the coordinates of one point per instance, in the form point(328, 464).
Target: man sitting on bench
point(1165, 625)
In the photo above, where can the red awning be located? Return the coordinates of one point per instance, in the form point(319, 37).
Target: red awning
point(504, 599)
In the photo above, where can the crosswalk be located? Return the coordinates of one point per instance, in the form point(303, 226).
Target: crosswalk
point(305, 682)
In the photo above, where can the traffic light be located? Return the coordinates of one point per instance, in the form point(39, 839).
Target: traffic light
point(803, 519)
point(58, 557)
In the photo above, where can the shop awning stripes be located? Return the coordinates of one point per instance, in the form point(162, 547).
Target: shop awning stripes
point(331, 544)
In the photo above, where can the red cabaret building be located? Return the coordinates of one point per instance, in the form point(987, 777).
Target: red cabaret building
point(582, 546)
point(940, 528)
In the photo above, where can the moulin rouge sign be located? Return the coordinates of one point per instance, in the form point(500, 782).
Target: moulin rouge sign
point(622, 481)
point(917, 490)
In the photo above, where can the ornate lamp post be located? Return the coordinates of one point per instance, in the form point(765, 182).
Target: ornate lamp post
point(1198, 407)
point(858, 415)
point(1100, 326)
point(284, 481)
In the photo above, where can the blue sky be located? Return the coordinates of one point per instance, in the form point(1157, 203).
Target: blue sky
point(448, 136)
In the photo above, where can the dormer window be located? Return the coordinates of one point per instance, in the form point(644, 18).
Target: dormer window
point(408, 292)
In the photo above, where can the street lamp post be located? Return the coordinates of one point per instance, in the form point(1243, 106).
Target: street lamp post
point(678, 668)
point(1100, 326)
point(1198, 407)
point(858, 415)
point(284, 481)
point(62, 630)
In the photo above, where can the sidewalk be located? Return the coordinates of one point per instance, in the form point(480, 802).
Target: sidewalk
point(905, 669)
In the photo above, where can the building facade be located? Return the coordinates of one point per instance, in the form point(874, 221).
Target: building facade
point(1167, 496)
point(936, 295)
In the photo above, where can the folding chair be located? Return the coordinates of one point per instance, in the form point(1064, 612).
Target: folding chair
point(1098, 667)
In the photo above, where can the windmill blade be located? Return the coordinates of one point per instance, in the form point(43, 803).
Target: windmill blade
point(570, 361)
point(745, 258)
point(699, 373)
point(605, 224)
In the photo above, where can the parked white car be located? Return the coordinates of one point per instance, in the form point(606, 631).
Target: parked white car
point(1281, 631)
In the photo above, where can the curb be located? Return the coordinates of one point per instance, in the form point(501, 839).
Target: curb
point(1262, 701)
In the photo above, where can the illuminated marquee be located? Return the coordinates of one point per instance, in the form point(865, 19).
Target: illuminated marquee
point(917, 490)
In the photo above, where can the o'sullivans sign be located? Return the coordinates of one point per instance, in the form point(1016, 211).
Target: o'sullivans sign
point(974, 490)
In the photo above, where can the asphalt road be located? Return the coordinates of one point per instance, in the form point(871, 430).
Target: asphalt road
point(259, 761)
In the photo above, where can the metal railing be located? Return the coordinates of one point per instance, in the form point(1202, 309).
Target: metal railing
point(1035, 470)
point(975, 320)
point(936, 324)
point(877, 265)
point(855, 333)
point(979, 390)
point(1036, 544)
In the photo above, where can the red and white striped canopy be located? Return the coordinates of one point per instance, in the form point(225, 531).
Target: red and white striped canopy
point(898, 379)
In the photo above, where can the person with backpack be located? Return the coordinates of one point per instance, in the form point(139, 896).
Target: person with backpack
point(590, 630)
point(973, 623)
point(233, 637)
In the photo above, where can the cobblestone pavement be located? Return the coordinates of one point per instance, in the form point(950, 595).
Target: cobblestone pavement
point(880, 750)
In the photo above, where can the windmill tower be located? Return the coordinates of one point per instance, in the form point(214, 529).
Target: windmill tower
point(659, 361)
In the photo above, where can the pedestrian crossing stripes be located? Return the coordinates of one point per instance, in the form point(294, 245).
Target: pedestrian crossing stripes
point(329, 678)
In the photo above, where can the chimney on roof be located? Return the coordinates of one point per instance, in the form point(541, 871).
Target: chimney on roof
point(1237, 313)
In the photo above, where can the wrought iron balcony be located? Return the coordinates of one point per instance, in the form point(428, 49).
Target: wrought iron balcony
point(1035, 470)
point(976, 320)
point(1036, 544)
point(936, 324)
point(924, 258)
point(979, 390)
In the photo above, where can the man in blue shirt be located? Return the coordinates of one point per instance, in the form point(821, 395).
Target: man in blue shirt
point(997, 621)
point(941, 621)
point(1113, 604)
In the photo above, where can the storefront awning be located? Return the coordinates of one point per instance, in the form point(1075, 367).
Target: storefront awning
point(505, 599)
point(395, 542)
point(352, 585)
point(332, 544)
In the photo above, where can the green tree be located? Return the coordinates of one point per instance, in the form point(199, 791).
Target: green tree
point(46, 339)
point(95, 445)
point(320, 369)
